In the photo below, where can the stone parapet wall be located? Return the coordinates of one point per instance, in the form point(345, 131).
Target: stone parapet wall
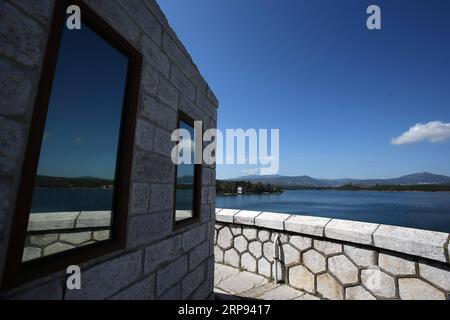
point(336, 259)
point(53, 232)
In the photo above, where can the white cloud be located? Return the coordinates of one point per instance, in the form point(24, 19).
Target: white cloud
point(433, 131)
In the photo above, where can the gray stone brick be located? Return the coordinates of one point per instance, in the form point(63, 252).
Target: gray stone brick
point(205, 192)
point(12, 142)
point(212, 97)
point(194, 237)
point(192, 281)
point(48, 291)
point(142, 290)
point(140, 195)
point(141, 15)
point(5, 204)
point(39, 9)
point(198, 254)
point(171, 274)
point(205, 213)
point(148, 228)
point(211, 194)
point(174, 52)
point(168, 94)
point(149, 80)
point(206, 176)
point(107, 278)
point(159, 113)
point(154, 56)
point(145, 135)
point(163, 143)
point(205, 105)
point(153, 168)
point(161, 197)
point(15, 90)
point(182, 83)
point(161, 253)
point(197, 79)
point(190, 109)
point(173, 293)
point(117, 18)
point(21, 36)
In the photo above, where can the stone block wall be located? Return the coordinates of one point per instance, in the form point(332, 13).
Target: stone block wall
point(336, 259)
point(159, 262)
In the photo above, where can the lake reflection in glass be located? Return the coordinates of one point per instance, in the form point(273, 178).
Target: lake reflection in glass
point(185, 193)
point(79, 149)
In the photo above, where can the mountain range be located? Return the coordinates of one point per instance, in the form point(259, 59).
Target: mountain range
point(291, 181)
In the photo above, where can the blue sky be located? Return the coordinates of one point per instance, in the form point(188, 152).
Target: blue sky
point(84, 115)
point(338, 92)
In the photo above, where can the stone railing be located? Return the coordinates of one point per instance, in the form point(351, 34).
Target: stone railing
point(50, 233)
point(336, 259)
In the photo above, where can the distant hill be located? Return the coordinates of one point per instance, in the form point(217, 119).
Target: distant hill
point(292, 181)
point(79, 182)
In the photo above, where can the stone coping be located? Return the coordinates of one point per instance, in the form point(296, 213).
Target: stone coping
point(51, 221)
point(417, 242)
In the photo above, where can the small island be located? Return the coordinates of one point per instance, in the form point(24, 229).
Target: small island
point(233, 188)
point(73, 183)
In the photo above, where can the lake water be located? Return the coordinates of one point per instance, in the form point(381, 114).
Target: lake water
point(423, 210)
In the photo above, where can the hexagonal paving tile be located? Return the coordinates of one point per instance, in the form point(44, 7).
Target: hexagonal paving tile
point(248, 262)
point(343, 269)
point(268, 250)
point(301, 243)
point(240, 243)
point(263, 235)
point(378, 282)
point(236, 230)
point(225, 238)
point(416, 289)
point(328, 287)
point(255, 248)
point(314, 261)
point(264, 267)
point(290, 255)
point(327, 247)
point(250, 233)
point(231, 257)
point(301, 278)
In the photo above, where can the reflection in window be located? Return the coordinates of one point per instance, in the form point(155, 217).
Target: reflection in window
point(185, 194)
point(74, 189)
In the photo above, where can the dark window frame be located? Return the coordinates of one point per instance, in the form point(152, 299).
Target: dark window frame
point(15, 271)
point(197, 201)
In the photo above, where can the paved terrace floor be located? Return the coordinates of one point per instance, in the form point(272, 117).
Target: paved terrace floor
point(233, 284)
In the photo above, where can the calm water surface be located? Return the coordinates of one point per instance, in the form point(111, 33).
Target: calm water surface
point(423, 210)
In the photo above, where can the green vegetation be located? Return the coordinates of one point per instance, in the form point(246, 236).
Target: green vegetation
point(231, 187)
point(81, 183)
point(380, 187)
